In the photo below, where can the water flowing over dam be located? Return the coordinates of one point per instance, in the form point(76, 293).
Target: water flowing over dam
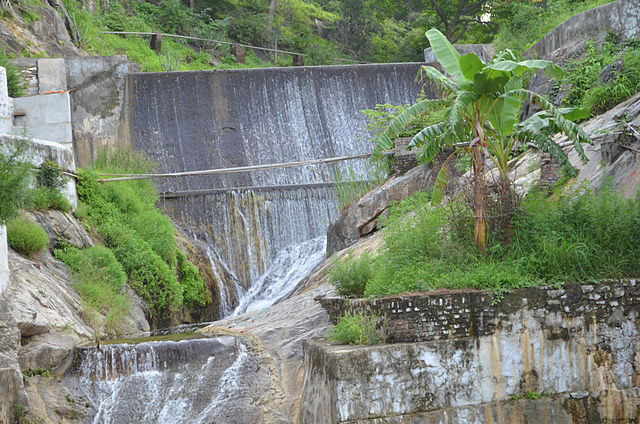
point(164, 382)
point(228, 118)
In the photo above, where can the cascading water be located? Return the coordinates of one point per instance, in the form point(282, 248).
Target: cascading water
point(220, 119)
point(164, 382)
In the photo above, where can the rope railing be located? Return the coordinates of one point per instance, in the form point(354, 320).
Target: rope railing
point(229, 43)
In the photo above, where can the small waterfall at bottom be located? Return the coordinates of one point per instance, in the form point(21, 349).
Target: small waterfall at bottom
point(164, 382)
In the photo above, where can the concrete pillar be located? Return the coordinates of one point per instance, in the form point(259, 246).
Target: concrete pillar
point(4, 259)
point(52, 75)
point(6, 108)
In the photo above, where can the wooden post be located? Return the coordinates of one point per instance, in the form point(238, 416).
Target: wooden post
point(156, 43)
point(238, 52)
point(298, 60)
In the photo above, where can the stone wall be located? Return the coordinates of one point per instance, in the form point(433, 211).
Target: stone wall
point(455, 314)
point(403, 158)
point(576, 348)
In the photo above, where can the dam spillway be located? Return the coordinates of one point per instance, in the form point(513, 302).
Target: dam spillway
point(228, 118)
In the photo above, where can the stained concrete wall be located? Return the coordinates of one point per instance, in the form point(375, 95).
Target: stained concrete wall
point(588, 352)
point(622, 17)
point(97, 103)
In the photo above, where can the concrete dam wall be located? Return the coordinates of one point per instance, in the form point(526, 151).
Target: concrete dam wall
point(229, 118)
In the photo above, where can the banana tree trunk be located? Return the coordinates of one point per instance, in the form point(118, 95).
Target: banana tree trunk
point(479, 189)
point(506, 208)
point(479, 198)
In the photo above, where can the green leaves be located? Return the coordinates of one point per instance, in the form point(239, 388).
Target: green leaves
point(519, 68)
point(446, 54)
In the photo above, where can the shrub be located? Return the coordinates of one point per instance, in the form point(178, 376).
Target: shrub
point(356, 330)
point(350, 275)
point(50, 175)
point(25, 236)
point(99, 280)
point(14, 179)
point(43, 198)
point(194, 291)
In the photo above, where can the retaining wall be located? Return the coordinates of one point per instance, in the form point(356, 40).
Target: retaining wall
point(576, 348)
point(621, 17)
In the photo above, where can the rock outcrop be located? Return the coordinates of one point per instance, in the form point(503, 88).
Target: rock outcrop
point(360, 219)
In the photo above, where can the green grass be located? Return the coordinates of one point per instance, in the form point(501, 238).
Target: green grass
point(99, 280)
point(141, 237)
point(25, 236)
point(580, 238)
point(43, 198)
point(356, 329)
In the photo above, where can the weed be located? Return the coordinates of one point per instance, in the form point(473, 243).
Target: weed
point(356, 329)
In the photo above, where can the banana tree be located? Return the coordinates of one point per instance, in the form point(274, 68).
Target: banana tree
point(484, 107)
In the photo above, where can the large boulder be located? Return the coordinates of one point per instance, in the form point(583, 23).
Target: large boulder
point(360, 219)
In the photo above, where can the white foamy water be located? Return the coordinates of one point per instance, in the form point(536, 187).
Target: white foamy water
point(290, 267)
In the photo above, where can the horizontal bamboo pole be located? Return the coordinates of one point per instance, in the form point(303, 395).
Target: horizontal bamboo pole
point(240, 169)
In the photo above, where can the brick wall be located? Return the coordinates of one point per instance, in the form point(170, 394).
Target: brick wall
point(456, 314)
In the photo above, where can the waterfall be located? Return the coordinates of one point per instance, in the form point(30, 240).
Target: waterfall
point(229, 118)
point(168, 382)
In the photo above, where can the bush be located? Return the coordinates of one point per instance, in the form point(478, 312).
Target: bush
point(148, 274)
point(14, 179)
point(350, 275)
point(43, 198)
point(194, 292)
point(356, 329)
point(99, 280)
point(583, 77)
point(25, 236)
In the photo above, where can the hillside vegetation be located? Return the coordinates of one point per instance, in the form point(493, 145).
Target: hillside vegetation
point(327, 31)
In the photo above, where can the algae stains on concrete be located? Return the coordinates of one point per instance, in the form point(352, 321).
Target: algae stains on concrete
point(97, 103)
point(560, 342)
point(204, 120)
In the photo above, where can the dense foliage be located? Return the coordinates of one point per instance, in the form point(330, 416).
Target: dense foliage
point(567, 238)
point(14, 178)
point(140, 235)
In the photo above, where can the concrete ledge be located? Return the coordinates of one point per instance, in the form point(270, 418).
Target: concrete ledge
point(46, 117)
point(483, 51)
